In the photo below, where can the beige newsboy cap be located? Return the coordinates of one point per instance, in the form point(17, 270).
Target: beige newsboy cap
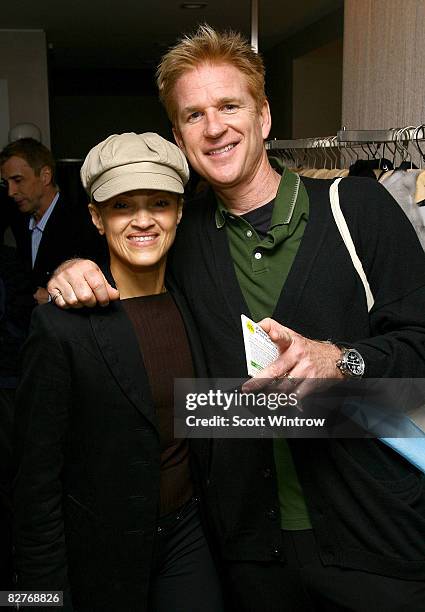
point(124, 162)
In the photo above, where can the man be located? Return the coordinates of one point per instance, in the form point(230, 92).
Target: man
point(53, 229)
point(311, 524)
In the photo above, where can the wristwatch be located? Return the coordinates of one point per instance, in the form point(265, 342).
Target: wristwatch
point(351, 363)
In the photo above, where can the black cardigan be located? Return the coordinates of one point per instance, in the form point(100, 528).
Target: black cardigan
point(367, 505)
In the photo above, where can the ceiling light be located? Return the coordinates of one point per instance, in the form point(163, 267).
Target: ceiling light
point(193, 5)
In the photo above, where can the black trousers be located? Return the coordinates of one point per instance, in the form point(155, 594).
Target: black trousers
point(184, 577)
point(304, 584)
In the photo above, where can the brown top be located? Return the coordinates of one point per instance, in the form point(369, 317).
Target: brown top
point(166, 354)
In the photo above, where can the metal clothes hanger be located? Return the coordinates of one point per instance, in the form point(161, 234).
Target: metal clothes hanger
point(420, 128)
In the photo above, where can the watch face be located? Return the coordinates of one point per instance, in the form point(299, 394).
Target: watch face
point(354, 362)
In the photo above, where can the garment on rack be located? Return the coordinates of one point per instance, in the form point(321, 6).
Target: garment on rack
point(420, 190)
point(402, 184)
point(371, 168)
point(337, 173)
point(322, 173)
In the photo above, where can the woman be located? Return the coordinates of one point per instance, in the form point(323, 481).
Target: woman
point(105, 506)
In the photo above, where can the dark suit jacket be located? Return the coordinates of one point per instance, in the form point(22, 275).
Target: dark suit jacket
point(69, 233)
point(87, 489)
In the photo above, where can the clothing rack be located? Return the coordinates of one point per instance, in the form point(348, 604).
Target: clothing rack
point(394, 157)
point(349, 145)
point(302, 143)
point(352, 137)
point(404, 134)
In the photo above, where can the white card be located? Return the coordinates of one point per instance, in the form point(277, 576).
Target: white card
point(259, 349)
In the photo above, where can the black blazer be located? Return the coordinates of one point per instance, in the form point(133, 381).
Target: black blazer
point(87, 488)
point(69, 233)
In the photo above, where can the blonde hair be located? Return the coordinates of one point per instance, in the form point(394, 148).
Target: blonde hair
point(206, 45)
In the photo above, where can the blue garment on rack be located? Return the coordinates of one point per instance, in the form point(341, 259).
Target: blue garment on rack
point(412, 445)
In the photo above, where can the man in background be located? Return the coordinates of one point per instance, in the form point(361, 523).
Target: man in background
point(53, 228)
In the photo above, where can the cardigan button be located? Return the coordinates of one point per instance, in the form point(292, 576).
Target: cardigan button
point(267, 473)
point(272, 514)
point(276, 552)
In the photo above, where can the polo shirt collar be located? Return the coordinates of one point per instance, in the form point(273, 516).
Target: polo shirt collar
point(287, 193)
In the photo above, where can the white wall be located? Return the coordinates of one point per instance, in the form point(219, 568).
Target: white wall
point(23, 64)
point(384, 64)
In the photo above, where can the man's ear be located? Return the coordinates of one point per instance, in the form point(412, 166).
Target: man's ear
point(266, 119)
point(46, 175)
point(179, 140)
point(96, 218)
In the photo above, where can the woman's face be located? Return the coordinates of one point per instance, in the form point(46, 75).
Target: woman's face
point(139, 226)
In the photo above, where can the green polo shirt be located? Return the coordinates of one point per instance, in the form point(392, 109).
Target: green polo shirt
point(262, 266)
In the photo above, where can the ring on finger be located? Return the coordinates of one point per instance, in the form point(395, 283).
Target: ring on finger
point(57, 294)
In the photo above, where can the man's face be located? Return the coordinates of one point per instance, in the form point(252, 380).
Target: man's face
point(218, 125)
point(24, 186)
